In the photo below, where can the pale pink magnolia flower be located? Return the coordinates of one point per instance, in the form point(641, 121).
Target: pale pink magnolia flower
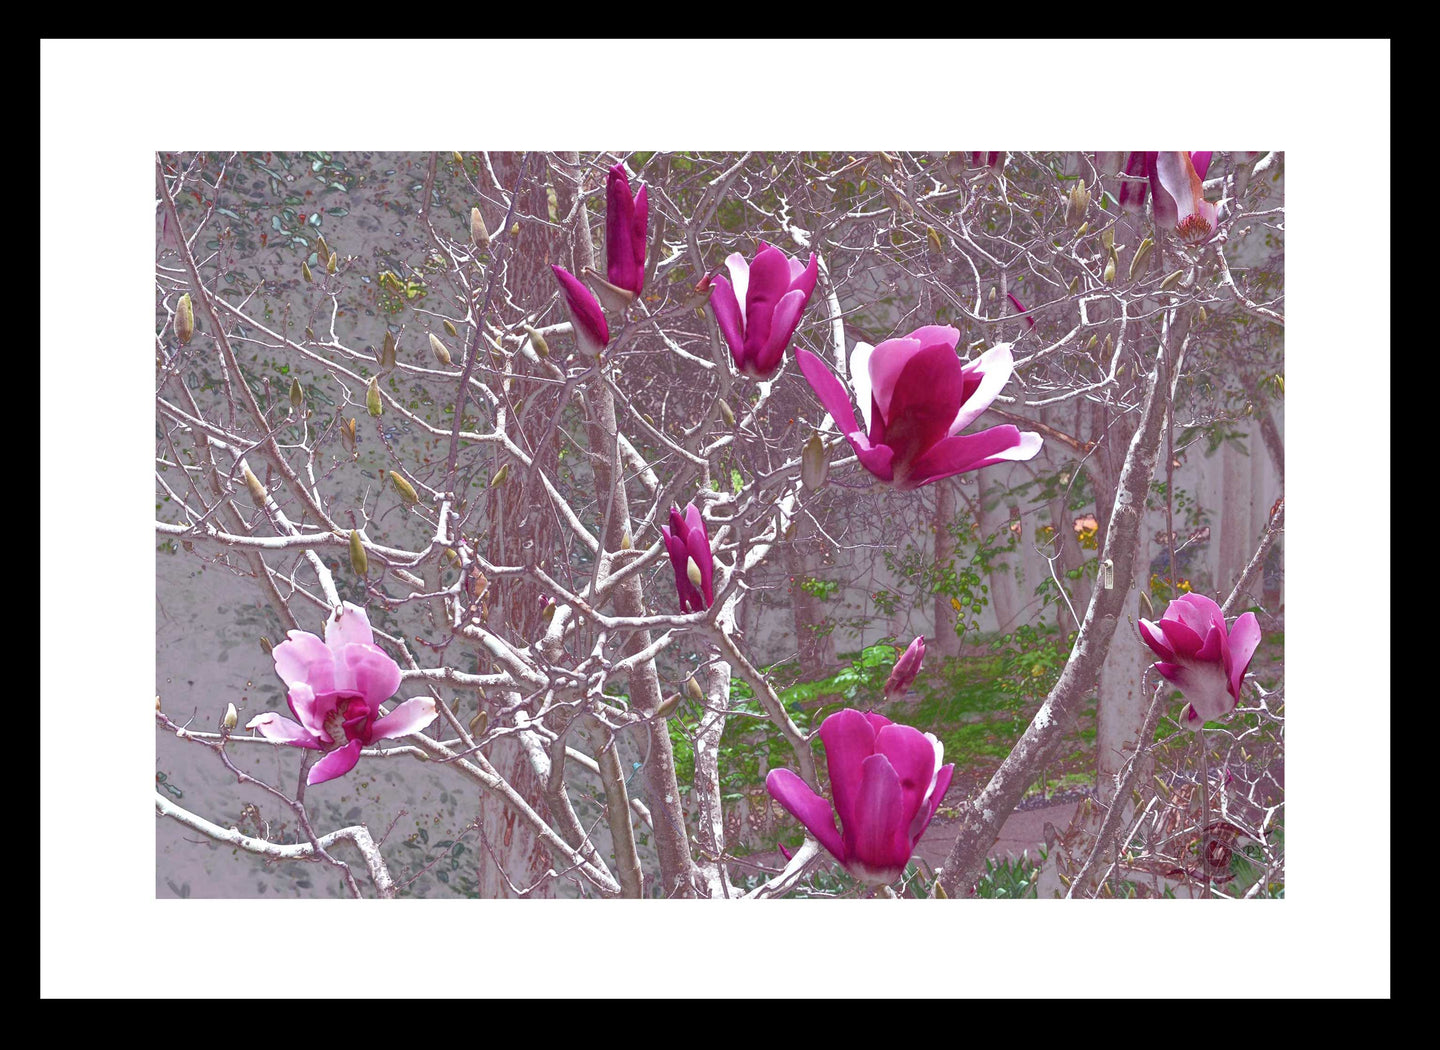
point(760, 306)
point(887, 782)
point(336, 689)
point(1200, 657)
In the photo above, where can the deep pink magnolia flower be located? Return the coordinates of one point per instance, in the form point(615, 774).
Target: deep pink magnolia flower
point(1177, 180)
point(985, 160)
point(916, 396)
point(759, 308)
point(1024, 310)
point(591, 332)
point(689, 547)
point(1202, 659)
point(905, 669)
point(887, 782)
point(336, 688)
point(625, 219)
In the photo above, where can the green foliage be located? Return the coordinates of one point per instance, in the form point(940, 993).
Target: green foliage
point(1011, 879)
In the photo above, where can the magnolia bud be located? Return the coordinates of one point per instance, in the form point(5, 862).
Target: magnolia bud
point(1110, 269)
point(1091, 344)
point(297, 394)
point(500, 475)
point(1109, 343)
point(1074, 284)
point(184, 319)
point(441, 354)
point(1142, 256)
point(449, 328)
point(1200, 315)
point(347, 435)
point(934, 236)
point(477, 229)
point(692, 570)
point(1084, 228)
point(552, 203)
point(814, 464)
point(479, 724)
point(693, 690)
point(372, 397)
point(305, 271)
point(387, 352)
point(309, 333)
point(1076, 203)
point(940, 892)
point(257, 490)
point(406, 490)
point(358, 560)
point(515, 228)
point(548, 613)
point(157, 702)
point(333, 264)
point(322, 250)
point(1107, 238)
point(266, 645)
point(537, 340)
point(231, 717)
point(1171, 281)
point(625, 542)
point(726, 412)
point(668, 706)
point(992, 293)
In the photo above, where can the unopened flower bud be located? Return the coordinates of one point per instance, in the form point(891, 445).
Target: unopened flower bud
point(814, 464)
point(387, 352)
point(693, 690)
point(940, 892)
point(1171, 281)
point(458, 158)
point(500, 475)
point(992, 293)
point(1142, 257)
point(257, 490)
point(479, 724)
point(441, 354)
point(1200, 315)
point(333, 264)
point(548, 613)
point(625, 542)
point(157, 701)
point(406, 490)
point(692, 570)
point(1091, 344)
point(305, 271)
point(359, 562)
point(450, 329)
point(231, 717)
point(347, 435)
point(266, 645)
point(297, 393)
point(668, 706)
point(1107, 238)
point(515, 228)
point(1074, 284)
point(726, 412)
point(322, 250)
point(1076, 203)
point(372, 397)
point(934, 237)
point(537, 340)
point(1084, 228)
point(1110, 269)
point(477, 229)
point(184, 319)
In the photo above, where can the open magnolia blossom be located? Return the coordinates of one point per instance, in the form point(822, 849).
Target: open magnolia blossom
point(759, 308)
point(1205, 662)
point(1177, 183)
point(887, 782)
point(905, 669)
point(592, 334)
point(688, 545)
point(625, 220)
point(336, 688)
point(915, 396)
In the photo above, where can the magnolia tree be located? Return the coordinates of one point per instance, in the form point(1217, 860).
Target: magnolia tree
point(507, 449)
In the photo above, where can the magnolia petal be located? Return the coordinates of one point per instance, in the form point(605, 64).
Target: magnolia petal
point(409, 717)
point(1201, 162)
point(1206, 687)
point(336, 764)
point(879, 841)
point(354, 626)
point(783, 323)
point(1168, 670)
point(1180, 180)
point(592, 334)
point(993, 367)
point(877, 459)
point(1213, 651)
point(849, 739)
point(1244, 639)
point(280, 730)
point(829, 390)
point(961, 452)
point(1156, 640)
point(305, 658)
point(912, 755)
point(1181, 637)
point(807, 807)
point(739, 268)
point(769, 280)
point(1191, 719)
point(730, 319)
point(376, 676)
point(860, 382)
point(931, 803)
point(1196, 611)
point(697, 546)
point(923, 403)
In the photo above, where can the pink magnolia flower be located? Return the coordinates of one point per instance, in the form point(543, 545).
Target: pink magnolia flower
point(759, 308)
point(887, 782)
point(1203, 660)
point(905, 669)
point(592, 334)
point(336, 688)
point(1024, 310)
point(625, 219)
point(1177, 180)
point(915, 396)
point(688, 545)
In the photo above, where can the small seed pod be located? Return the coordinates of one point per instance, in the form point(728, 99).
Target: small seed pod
point(372, 397)
point(359, 562)
point(257, 490)
point(441, 354)
point(478, 232)
point(184, 319)
point(297, 393)
point(727, 413)
point(406, 490)
point(231, 717)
